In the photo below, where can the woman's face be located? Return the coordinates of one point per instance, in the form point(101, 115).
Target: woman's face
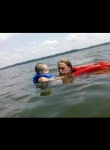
point(63, 69)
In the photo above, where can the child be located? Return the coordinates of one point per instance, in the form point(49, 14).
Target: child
point(42, 73)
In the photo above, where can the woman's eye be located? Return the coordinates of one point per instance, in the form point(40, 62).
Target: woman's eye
point(62, 68)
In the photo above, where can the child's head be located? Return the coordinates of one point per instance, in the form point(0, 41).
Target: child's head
point(41, 68)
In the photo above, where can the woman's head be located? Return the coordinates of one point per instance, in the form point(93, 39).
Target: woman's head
point(64, 67)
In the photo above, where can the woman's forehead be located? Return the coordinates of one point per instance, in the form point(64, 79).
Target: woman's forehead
point(62, 64)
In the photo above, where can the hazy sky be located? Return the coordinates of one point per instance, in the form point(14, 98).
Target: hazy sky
point(20, 47)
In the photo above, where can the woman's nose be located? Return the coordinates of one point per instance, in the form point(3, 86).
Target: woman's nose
point(61, 70)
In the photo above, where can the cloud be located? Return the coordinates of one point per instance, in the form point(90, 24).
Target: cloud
point(74, 36)
point(49, 43)
point(5, 36)
point(84, 36)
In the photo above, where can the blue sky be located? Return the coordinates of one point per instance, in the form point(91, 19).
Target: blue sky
point(20, 47)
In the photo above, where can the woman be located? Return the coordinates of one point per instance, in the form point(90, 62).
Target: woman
point(65, 68)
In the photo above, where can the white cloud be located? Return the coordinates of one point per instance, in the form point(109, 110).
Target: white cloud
point(83, 36)
point(71, 37)
point(82, 40)
point(49, 43)
point(74, 36)
point(5, 36)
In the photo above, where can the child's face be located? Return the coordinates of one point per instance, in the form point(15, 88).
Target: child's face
point(45, 69)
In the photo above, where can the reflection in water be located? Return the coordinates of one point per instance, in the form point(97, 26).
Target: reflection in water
point(45, 87)
point(47, 92)
point(67, 79)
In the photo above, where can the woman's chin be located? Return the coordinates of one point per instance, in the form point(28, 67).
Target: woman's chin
point(62, 74)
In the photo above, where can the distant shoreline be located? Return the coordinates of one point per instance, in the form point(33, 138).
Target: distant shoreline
point(58, 54)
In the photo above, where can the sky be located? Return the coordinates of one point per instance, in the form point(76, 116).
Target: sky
point(21, 47)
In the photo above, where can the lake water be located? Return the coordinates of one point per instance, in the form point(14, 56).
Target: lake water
point(85, 97)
